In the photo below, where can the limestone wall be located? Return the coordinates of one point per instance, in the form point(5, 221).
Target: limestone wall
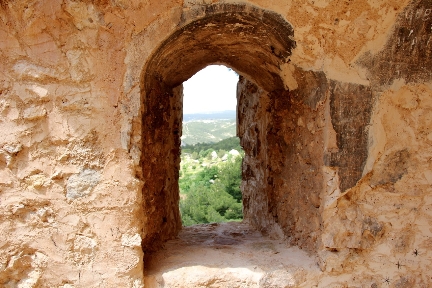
point(282, 135)
point(339, 97)
point(251, 128)
point(69, 197)
point(383, 218)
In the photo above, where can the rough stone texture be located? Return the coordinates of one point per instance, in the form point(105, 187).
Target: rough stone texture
point(408, 52)
point(81, 184)
point(229, 255)
point(283, 143)
point(60, 82)
point(350, 110)
point(221, 33)
point(251, 128)
point(161, 165)
point(89, 106)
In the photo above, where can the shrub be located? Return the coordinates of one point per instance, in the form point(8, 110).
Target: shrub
point(213, 194)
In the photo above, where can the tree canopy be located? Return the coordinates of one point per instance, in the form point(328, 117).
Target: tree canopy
point(211, 194)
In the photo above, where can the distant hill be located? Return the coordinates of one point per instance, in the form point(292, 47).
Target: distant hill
point(208, 128)
point(227, 115)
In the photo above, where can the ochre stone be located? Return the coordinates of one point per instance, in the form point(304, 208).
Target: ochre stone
point(334, 115)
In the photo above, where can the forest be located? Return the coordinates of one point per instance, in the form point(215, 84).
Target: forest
point(210, 178)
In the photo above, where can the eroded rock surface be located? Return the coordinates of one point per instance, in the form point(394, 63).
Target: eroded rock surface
point(335, 116)
point(229, 255)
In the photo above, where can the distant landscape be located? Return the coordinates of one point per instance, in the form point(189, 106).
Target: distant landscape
point(210, 169)
point(229, 114)
point(208, 128)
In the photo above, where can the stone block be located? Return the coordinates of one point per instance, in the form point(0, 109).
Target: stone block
point(82, 184)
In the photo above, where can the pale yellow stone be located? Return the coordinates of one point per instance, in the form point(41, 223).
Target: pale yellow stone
point(73, 78)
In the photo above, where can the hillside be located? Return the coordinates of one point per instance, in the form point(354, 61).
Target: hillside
point(210, 169)
point(224, 145)
point(223, 115)
point(208, 128)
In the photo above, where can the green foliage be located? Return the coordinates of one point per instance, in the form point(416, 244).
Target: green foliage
point(226, 144)
point(201, 178)
point(221, 153)
point(212, 193)
point(230, 177)
point(194, 155)
point(205, 153)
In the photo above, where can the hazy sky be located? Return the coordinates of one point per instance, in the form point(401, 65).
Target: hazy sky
point(212, 89)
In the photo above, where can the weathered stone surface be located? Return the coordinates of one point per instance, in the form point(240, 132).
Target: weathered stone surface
point(335, 115)
point(160, 165)
point(350, 109)
point(251, 130)
point(391, 169)
point(408, 52)
point(81, 184)
point(282, 139)
point(229, 255)
point(221, 33)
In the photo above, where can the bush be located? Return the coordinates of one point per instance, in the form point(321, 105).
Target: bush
point(226, 144)
point(213, 194)
point(221, 153)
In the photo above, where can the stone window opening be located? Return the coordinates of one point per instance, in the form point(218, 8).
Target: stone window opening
point(223, 34)
point(210, 174)
point(221, 252)
point(282, 178)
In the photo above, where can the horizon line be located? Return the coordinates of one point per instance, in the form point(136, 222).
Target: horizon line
point(211, 112)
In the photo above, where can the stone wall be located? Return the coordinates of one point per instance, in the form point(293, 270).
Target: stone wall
point(209, 33)
point(252, 122)
point(160, 164)
point(335, 118)
point(69, 197)
point(282, 179)
point(383, 218)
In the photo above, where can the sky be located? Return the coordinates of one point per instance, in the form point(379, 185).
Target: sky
point(212, 89)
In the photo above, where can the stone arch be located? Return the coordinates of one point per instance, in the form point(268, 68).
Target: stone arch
point(254, 42)
point(257, 44)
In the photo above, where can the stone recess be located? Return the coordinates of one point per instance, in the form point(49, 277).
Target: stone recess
point(334, 114)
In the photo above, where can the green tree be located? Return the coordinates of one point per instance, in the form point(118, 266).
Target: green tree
point(221, 153)
point(194, 155)
point(230, 177)
point(211, 193)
